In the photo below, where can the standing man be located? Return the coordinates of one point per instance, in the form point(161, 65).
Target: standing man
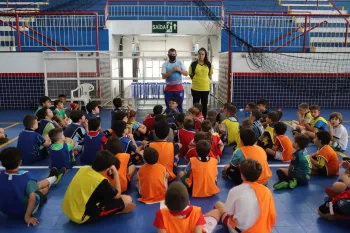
point(172, 71)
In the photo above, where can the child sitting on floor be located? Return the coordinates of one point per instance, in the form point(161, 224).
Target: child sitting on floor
point(3, 136)
point(247, 151)
point(212, 114)
point(250, 206)
point(192, 152)
point(249, 109)
point(150, 119)
point(168, 151)
point(46, 123)
point(77, 129)
point(179, 123)
point(200, 115)
point(94, 141)
point(299, 170)
point(200, 175)
point(262, 107)
point(68, 106)
point(126, 169)
point(180, 217)
point(128, 142)
point(192, 113)
point(117, 102)
point(32, 145)
point(89, 196)
point(217, 145)
point(257, 126)
point(339, 134)
point(304, 117)
point(325, 161)
point(343, 184)
point(93, 110)
point(317, 123)
point(61, 150)
point(172, 110)
point(283, 147)
point(152, 178)
point(267, 140)
point(186, 135)
point(44, 102)
point(138, 130)
point(229, 128)
point(21, 195)
point(60, 114)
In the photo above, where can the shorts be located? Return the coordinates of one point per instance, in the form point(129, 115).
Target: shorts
point(320, 171)
point(302, 179)
point(40, 201)
point(226, 222)
point(340, 207)
point(279, 155)
point(234, 174)
point(110, 208)
point(210, 224)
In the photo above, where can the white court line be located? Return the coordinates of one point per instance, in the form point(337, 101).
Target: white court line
point(138, 166)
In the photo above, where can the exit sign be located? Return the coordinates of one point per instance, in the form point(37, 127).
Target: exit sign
point(164, 26)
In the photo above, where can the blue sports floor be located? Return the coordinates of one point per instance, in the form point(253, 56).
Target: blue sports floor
point(296, 209)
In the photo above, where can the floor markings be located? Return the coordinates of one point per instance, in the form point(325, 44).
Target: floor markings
point(9, 142)
point(341, 154)
point(8, 123)
point(10, 126)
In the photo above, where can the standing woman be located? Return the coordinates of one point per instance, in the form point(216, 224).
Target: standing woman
point(200, 72)
point(172, 71)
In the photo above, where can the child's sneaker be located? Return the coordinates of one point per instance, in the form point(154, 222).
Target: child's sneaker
point(53, 172)
point(293, 183)
point(281, 185)
point(224, 174)
point(61, 173)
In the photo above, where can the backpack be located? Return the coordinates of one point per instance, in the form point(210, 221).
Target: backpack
point(194, 65)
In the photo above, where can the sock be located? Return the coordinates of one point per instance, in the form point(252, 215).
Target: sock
point(51, 180)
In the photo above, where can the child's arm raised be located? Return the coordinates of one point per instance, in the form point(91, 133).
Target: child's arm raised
point(30, 207)
point(114, 171)
point(142, 128)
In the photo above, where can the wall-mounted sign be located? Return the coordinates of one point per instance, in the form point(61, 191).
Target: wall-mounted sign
point(164, 26)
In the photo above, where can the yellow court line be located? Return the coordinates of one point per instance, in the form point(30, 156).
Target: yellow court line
point(341, 154)
point(8, 123)
point(9, 142)
point(14, 124)
point(288, 123)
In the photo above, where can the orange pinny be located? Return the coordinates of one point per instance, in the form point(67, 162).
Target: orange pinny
point(331, 160)
point(166, 156)
point(204, 177)
point(257, 153)
point(267, 218)
point(124, 176)
point(152, 183)
point(173, 224)
point(287, 147)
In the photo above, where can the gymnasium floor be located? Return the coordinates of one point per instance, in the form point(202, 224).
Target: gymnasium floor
point(296, 209)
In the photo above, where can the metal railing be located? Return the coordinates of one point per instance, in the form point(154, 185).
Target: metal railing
point(291, 32)
point(160, 9)
point(50, 30)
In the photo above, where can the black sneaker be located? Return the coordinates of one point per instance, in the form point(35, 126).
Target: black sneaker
point(53, 172)
point(61, 173)
point(224, 174)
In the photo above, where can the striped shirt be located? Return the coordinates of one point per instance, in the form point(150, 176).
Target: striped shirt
point(258, 129)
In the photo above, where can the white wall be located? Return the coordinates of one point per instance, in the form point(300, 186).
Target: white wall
point(15, 62)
